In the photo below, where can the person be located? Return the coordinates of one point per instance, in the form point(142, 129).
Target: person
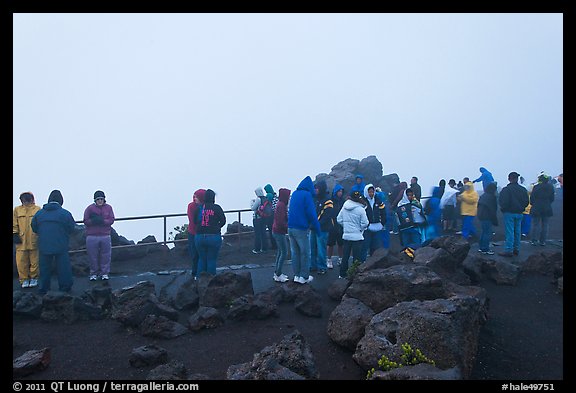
point(354, 222)
point(512, 199)
point(560, 179)
point(358, 184)
point(269, 221)
point(485, 177)
point(395, 197)
point(376, 212)
point(335, 235)
point(542, 197)
point(280, 233)
point(326, 218)
point(258, 221)
point(526, 224)
point(208, 237)
point(468, 210)
point(26, 241)
point(194, 209)
point(416, 187)
point(301, 217)
point(98, 219)
point(433, 215)
point(384, 234)
point(411, 218)
point(53, 224)
point(487, 214)
point(448, 204)
point(442, 185)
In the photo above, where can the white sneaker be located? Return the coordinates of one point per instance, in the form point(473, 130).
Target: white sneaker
point(329, 264)
point(105, 277)
point(300, 280)
point(93, 277)
point(310, 278)
point(33, 283)
point(25, 284)
point(280, 278)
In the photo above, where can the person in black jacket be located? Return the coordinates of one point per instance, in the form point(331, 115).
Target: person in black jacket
point(327, 219)
point(208, 237)
point(376, 212)
point(541, 198)
point(513, 199)
point(487, 210)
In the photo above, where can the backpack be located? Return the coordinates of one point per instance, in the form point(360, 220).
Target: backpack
point(265, 209)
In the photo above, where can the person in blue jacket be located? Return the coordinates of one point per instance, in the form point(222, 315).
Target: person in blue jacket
point(485, 177)
point(358, 185)
point(301, 218)
point(54, 224)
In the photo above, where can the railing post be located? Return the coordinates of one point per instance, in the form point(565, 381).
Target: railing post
point(239, 227)
point(164, 230)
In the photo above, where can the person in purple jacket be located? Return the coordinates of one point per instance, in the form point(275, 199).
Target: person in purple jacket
point(98, 219)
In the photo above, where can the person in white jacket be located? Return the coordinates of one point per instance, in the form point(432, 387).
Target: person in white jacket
point(354, 221)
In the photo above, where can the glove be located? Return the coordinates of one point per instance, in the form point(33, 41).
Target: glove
point(16, 238)
point(96, 219)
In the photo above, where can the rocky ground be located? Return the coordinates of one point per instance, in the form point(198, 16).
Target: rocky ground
point(522, 340)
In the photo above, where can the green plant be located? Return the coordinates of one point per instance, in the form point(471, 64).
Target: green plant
point(409, 357)
point(353, 269)
point(181, 231)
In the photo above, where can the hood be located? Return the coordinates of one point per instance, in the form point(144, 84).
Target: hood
point(259, 191)
point(284, 195)
point(337, 188)
point(436, 192)
point(490, 188)
point(56, 196)
point(482, 169)
point(209, 196)
point(469, 187)
point(200, 193)
point(268, 188)
point(366, 187)
point(307, 185)
point(404, 199)
point(350, 205)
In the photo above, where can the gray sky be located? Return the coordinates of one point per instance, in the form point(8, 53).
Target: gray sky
point(151, 107)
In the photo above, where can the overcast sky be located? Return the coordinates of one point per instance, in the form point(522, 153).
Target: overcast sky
point(151, 107)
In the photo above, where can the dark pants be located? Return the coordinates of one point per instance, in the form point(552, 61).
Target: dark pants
point(350, 245)
point(260, 241)
point(193, 253)
point(63, 268)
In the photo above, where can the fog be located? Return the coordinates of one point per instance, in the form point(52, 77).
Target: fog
point(151, 107)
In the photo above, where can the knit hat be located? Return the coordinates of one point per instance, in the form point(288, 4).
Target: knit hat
point(356, 196)
point(56, 196)
point(99, 194)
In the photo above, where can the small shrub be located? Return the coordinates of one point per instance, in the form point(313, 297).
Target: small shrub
point(409, 357)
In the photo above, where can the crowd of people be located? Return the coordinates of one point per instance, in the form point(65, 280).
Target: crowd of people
point(317, 227)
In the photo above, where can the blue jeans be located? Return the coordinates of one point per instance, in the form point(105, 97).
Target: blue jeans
point(63, 268)
point(318, 243)
point(208, 246)
point(193, 253)
point(300, 249)
point(512, 223)
point(372, 241)
point(486, 235)
point(260, 241)
point(282, 251)
point(526, 224)
point(542, 224)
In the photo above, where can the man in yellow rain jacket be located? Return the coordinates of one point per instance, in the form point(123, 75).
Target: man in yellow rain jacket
point(26, 241)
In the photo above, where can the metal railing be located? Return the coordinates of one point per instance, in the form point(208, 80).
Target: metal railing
point(164, 218)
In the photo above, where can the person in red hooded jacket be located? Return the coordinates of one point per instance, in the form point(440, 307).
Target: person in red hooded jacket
point(280, 233)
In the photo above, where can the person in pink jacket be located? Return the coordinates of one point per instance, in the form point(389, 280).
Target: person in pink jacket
point(98, 219)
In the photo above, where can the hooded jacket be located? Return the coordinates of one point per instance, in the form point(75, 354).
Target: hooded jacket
point(212, 218)
point(255, 203)
point(22, 217)
point(353, 219)
point(375, 210)
point(485, 177)
point(302, 212)
point(415, 207)
point(324, 207)
point(271, 195)
point(194, 209)
point(280, 225)
point(469, 200)
point(53, 224)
